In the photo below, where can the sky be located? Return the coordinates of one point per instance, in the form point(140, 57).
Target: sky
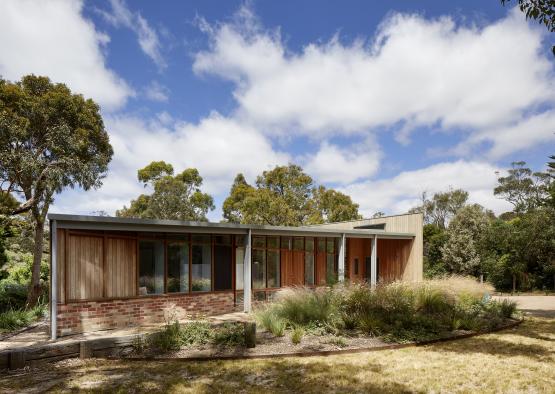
point(380, 100)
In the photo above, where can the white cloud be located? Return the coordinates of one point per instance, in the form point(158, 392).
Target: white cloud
point(218, 147)
point(334, 164)
point(531, 131)
point(417, 72)
point(148, 39)
point(402, 192)
point(53, 38)
point(157, 92)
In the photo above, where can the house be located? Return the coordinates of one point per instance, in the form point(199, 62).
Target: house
point(115, 272)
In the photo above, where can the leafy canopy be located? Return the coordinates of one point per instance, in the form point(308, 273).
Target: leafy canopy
point(286, 196)
point(50, 139)
point(176, 197)
point(441, 207)
point(524, 189)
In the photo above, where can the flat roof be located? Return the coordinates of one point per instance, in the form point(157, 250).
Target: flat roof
point(87, 222)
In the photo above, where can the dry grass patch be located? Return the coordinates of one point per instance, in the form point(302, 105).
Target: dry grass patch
point(516, 360)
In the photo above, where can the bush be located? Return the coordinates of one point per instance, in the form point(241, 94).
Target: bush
point(14, 319)
point(13, 295)
point(169, 338)
point(196, 333)
point(230, 334)
point(268, 319)
point(297, 335)
point(304, 307)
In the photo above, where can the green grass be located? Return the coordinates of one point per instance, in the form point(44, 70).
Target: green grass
point(515, 360)
point(15, 319)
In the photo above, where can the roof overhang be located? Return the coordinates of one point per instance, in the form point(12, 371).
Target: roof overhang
point(106, 223)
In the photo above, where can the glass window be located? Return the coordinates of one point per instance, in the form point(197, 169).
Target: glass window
point(201, 268)
point(337, 244)
point(178, 267)
point(223, 274)
point(272, 242)
point(286, 243)
point(151, 267)
point(321, 244)
point(222, 239)
point(273, 268)
point(309, 244)
point(258, 242)
point(201, 238)
point(239, 264)
point(258, 269)
point(329, 245)
point(309, 269)
point(331, 274)
point(298, 243)
point(240, 240)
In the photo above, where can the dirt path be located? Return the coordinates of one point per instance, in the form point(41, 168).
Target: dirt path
point(541, 306)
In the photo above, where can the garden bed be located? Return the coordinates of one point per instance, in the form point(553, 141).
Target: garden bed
point(269, 346)
point(345, 318)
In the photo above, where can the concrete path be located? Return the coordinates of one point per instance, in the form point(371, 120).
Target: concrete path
point(541, 306)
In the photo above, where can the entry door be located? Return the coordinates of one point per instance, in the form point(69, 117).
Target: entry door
point(292, 268)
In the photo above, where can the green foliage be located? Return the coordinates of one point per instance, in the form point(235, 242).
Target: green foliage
point(303, 306)
point(51, 139)
point(196, 333)
point(174, 197)
point(398, 311)
point(230, 334)
point(461, 251)
point(434, 239)
point(169, 338)
point(267, 317)
point(297, 335)
point(286, 196)
point(441, 207)
point(524, 189)
point(14, 319)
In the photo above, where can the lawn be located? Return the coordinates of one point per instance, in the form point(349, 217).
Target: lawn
point(521, 359)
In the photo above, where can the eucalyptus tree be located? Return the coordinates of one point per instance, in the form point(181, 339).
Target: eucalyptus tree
point(50, 139)
point(176, 197)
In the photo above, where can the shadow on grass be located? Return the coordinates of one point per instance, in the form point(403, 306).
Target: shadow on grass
point(250, 376)
point(503, 343)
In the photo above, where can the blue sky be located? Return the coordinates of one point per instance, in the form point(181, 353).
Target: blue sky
point(382, 100)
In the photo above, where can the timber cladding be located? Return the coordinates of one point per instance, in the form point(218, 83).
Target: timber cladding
point(94, 266)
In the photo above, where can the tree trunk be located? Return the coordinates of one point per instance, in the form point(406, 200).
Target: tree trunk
point(514, 283)
point(34, 289)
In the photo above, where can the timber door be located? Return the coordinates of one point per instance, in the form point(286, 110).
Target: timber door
point(292, 268)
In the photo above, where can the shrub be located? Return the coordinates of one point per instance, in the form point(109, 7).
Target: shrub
point(267, 318)
point(196, 333)
point(230, 334)
point(297, 335)
point(14, 319)
point(507, 308)
point(302, 306)
point(169, 338)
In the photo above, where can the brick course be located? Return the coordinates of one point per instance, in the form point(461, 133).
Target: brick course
point(79, 317)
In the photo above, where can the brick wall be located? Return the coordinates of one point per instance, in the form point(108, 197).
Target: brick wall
point(81, 317)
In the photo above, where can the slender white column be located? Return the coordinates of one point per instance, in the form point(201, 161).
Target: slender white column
point(341, 258)
point(373, 262)
point(53, 280)
point(247, 274)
